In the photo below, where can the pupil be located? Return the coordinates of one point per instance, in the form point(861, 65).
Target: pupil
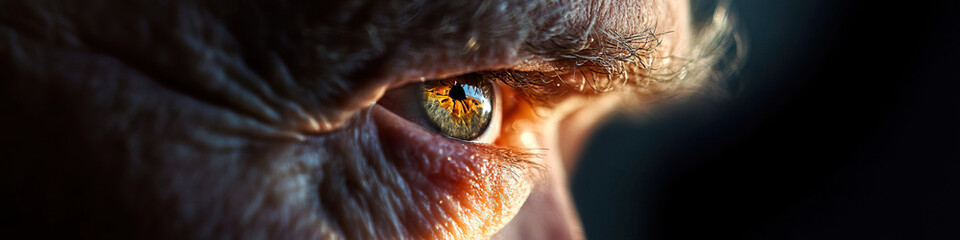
point(457, 92)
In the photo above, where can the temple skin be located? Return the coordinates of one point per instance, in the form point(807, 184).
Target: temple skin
point(257, 119)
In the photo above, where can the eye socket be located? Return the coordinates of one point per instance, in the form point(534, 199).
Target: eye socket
point(460, 107)
point(465, 107)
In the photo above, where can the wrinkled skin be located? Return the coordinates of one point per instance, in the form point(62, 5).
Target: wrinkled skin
point(254, 119)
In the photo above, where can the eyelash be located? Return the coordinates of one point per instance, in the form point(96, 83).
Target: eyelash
point(517, 160)
point(541, 88)
point(537, 88)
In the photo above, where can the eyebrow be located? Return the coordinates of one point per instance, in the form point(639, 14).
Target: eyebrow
point(590, 48)
point(604, 65)
point(597, 50)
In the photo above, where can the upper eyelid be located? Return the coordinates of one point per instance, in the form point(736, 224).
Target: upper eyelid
point(545, 88)
point(539, 88)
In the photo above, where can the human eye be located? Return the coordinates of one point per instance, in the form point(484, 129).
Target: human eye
point(466, 107)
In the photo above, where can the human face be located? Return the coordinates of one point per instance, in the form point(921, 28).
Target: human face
point(288, 119)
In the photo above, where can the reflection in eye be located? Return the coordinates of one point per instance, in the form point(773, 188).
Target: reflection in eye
point(460, 107)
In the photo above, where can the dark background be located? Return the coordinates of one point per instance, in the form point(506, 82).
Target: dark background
point(844, 123)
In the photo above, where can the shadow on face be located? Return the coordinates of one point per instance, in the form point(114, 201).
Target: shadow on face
point(353, 119)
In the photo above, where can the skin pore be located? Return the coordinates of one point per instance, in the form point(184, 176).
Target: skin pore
point(267, 119)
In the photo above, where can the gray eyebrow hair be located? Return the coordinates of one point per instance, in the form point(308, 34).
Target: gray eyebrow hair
point(605, 62)
point(630, 62)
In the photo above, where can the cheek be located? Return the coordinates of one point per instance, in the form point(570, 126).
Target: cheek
point(338, 185)
point(366, 181)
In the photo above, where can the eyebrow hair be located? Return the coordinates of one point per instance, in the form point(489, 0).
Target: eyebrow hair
point(587, 42)
point(600, 58)
point(603, 64)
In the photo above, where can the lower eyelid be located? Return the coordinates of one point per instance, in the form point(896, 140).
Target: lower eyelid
point(450, 170)
point(394, 129)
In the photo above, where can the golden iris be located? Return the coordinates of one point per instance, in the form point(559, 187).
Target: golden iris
point(459, 107)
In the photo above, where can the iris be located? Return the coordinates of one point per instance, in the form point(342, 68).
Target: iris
point(459, 107)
